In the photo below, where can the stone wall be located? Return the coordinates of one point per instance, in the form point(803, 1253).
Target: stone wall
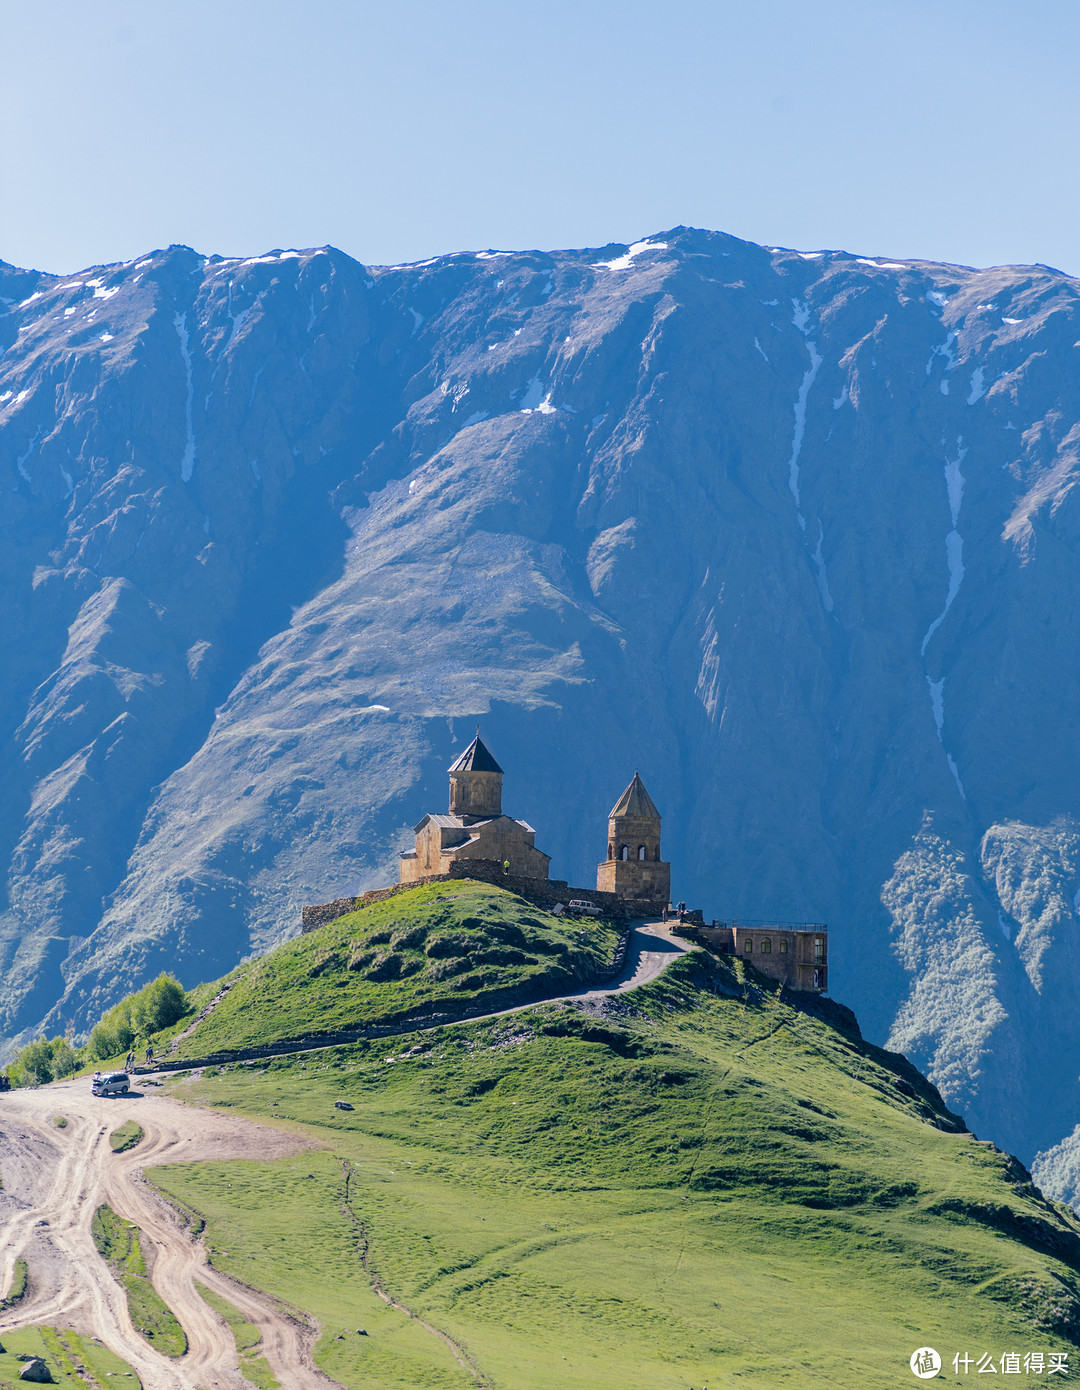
point(545, 892)
point(320, 914)
point(549, 891)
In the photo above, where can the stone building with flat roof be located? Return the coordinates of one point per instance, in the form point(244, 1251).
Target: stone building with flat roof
point(796, 953)
point(474, 827)
point(633, 867)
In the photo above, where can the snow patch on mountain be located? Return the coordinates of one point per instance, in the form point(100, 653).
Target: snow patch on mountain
point(626, 261)
point(822, 573)
point(534, 399)
point(800, 319)
point(954, 545)
point(187, 462)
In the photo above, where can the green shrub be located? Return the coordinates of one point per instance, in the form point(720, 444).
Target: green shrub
point(157, 1005)
point(43, 1061)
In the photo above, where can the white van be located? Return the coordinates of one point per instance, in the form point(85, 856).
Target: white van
point(113, 1083)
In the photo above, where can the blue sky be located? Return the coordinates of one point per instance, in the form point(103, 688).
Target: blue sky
point(943, 129)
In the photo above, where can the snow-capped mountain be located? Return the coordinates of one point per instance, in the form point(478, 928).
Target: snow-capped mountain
point(798, 536)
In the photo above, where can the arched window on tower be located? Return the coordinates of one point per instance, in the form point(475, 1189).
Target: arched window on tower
point(624, 851)
point(642, 852)
point(611, 851)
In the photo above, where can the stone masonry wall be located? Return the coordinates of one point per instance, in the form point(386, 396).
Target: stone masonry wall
point(321, 913)
point(545, 892)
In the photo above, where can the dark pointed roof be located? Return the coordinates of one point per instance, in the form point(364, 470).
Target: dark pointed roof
point(476, 758)
point(636, 801)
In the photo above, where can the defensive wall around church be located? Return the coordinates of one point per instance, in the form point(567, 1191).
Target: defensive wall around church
point(545, 892)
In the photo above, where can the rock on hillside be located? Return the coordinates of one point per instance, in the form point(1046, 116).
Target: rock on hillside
point(796, 535)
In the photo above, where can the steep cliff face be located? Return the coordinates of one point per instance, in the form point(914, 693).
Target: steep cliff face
point(795, 535)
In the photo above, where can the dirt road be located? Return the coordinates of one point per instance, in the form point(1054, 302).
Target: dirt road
point(54, 1180)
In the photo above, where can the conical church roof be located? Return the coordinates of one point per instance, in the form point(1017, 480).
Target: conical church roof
point(477, 758)
point(636, 801)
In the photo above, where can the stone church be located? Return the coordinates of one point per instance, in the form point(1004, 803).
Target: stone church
point(474, 827)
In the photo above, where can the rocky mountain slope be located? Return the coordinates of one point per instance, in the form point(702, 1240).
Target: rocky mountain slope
point(794, 534)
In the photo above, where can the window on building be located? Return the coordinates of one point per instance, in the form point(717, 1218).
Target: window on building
point(766, 946)
point(642, 852)
point(819, 948)
point(611, 851)
point(656, 856)
point(748, 946)
point(624, 851)
point(783, 948)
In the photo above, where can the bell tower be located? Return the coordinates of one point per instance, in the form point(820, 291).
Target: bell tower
point(476, 783)
point(633, 867)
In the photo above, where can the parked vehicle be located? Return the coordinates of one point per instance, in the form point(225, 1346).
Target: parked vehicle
point(580, 908)
point(114, 1083)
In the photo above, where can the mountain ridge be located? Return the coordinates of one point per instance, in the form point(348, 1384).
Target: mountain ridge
point(794, 532)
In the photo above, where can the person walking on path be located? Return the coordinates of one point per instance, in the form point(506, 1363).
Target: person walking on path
point(129, 1061)
point(149, 1053)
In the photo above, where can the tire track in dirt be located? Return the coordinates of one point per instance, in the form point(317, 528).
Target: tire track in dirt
point(63, 1176)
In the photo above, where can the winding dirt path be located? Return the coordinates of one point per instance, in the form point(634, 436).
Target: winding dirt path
point(55, 1179)
point(651, 947)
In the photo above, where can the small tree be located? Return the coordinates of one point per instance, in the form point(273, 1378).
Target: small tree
point(65, 1060)
point(114, 1033)
point(158, 1004)
point(41, 1062)
point(34, 1063)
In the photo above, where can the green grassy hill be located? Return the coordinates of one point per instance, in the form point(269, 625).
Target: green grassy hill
point(442, 949)
point(698, 1184)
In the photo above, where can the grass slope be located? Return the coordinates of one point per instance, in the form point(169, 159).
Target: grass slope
point(702, 1186)
point(447, 947)
point(119, 1242)
point(74, 1362)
